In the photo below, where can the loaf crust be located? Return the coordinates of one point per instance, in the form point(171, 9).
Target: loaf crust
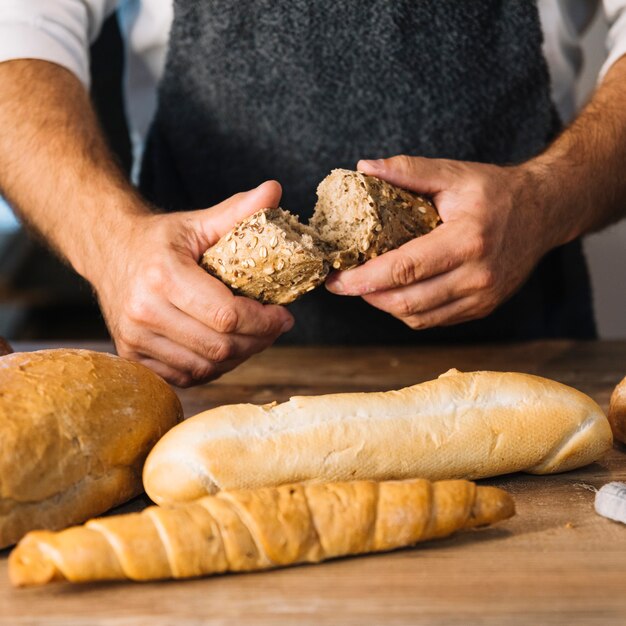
point(461, 425)
point(269, 257)
point(75, 427)
point(274, 259)
point(255, 530)
point(617, 411)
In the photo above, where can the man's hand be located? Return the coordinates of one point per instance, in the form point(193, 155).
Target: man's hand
point(164, 310)
point(498, 221)
point(161, 307)
point(492, 236)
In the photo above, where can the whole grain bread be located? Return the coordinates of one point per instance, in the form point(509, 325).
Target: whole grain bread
point(360, 217)
point(273, 258)
point(270, 257)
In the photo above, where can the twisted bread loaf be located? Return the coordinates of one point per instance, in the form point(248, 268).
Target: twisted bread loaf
point(258, 529)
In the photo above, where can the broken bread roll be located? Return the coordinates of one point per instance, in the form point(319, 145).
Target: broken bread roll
point(242, 531)
point(75, 429)
point(360, 217)
point(617, 412)
point(461, 425)
point(273, 258)
point(269, 257)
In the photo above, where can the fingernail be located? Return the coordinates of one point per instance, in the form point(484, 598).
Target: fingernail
point(287, 326)
point(375, 164)
point(334, 285)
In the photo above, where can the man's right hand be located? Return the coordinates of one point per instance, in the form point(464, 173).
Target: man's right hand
point(164, 310)
point(160, 306)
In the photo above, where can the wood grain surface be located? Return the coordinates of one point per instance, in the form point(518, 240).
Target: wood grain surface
point(555, 563)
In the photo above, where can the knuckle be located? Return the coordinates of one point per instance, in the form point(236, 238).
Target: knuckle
point(481, 186)
point(155, 276)
point(404, 162)
point(181, 379)
point(225, 318)
point(202, 372)
point(221, 350)
point(476, 245)
point(402, 306)
point(485, 279)
point(415, 322)
point(127, 336)
point(138, 309)
point(124, 350)
point(403, 271)
point(481, 308)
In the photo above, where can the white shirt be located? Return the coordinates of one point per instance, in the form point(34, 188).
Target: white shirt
point(61, 31)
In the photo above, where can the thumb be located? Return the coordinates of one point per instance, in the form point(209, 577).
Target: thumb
point(419, 174)
point(221, 218)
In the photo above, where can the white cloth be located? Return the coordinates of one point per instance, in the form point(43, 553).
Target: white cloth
point(61, 31)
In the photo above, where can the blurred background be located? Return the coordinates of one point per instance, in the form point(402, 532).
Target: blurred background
point(41, 298)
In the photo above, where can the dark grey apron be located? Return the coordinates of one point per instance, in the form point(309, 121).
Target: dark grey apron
point(289, 89)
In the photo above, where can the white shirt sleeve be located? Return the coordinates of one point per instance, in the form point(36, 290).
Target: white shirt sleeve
point(615, 11)
point(59, 31)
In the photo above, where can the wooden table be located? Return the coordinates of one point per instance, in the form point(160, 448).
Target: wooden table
point(556, 562)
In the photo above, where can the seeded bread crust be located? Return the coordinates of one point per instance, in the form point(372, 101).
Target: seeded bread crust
point(273, 258)
point(360, 217)
point(270, 257)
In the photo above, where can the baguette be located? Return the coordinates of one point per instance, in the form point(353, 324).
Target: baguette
point(462, 425)
point(255, 530)
point(273, 258)
point(75, 428)
point(617, 411)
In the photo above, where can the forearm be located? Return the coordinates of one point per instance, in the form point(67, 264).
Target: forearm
point(55, 167)
point(580, 179)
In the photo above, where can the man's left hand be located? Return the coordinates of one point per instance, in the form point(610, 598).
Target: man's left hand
point(493, 233)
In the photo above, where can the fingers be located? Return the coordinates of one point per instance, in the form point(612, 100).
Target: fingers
point(188, 351)
point(447, 299)
point(203, 341)
point(175, 363)
point(218, 220)
point(428, 176)
point(209, 301)
point(168, 373)
point(403, 302)
point(419, 259)
point(454, 311)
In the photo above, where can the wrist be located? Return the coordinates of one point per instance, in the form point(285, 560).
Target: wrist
point(103, 237)
point(543, 190)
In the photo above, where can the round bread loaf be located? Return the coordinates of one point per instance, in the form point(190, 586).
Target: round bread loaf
point(617, 412)
point(75, 428)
